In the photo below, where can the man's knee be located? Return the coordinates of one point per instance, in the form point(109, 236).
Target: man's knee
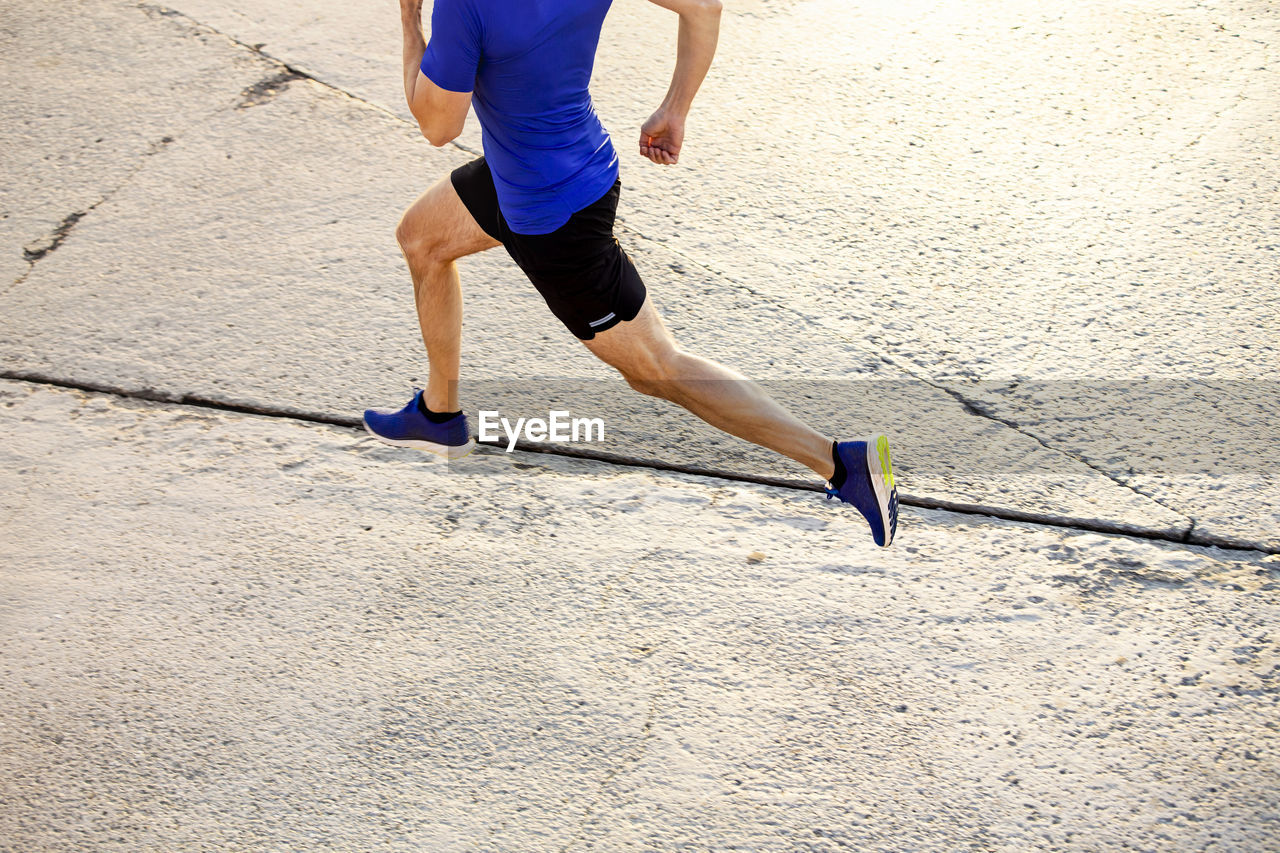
point(652, 373)
point(644, 353)
point(410, 233)
point(648, 387)
point(421, 238)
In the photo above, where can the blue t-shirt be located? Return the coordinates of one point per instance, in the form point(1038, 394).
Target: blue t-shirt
point(528, 63)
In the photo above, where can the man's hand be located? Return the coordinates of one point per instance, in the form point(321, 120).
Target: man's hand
point(661, 136)
point(414, 44)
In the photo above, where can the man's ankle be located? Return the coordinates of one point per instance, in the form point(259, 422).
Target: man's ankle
point(841, 474)
point(435, 417)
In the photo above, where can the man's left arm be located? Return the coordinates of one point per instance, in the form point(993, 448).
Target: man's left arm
point(663, 134)
point(441, 113)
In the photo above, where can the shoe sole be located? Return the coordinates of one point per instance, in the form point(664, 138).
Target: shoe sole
point(880, 465)
point(448, 451)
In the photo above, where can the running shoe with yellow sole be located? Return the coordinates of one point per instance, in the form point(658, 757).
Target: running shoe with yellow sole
point(869, 486)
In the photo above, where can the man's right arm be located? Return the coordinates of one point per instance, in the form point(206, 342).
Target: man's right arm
point(663, 134)
point(441, 113)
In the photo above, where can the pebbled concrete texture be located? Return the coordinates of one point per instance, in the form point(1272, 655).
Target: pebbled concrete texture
point(992, 173)
point(72, 139)
point(239, 633)
point(258, 242)
point(1036, 242)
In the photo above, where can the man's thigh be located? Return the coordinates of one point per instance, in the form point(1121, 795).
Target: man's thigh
point(636, 347)
point(440, 223)
point(585, 277)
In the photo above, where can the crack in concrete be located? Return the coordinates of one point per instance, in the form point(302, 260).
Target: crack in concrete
point(1218, 118)
point(1099, 526)
point(976, 409)
point(34, 251)
point(288, 71)
point(970, 406)
point(1241, 98)
point(267, 88)
point(39, 249)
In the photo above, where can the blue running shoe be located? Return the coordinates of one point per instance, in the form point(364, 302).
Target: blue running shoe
point(869, 485)
point(408, 427)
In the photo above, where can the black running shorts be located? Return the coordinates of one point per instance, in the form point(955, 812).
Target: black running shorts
point(580, 270)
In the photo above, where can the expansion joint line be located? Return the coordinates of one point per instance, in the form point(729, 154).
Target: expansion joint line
point(567, 451)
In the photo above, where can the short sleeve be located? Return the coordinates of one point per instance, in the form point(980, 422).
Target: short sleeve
point(453, 52)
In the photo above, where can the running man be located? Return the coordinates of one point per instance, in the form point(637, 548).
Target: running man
point(547, 190)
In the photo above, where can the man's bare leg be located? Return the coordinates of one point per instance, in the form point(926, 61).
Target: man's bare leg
point(644, 353)
point(434, 232)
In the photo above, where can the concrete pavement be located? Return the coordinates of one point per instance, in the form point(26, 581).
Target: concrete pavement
point(227, 632)
point(253, 217)
point(1038, 242)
